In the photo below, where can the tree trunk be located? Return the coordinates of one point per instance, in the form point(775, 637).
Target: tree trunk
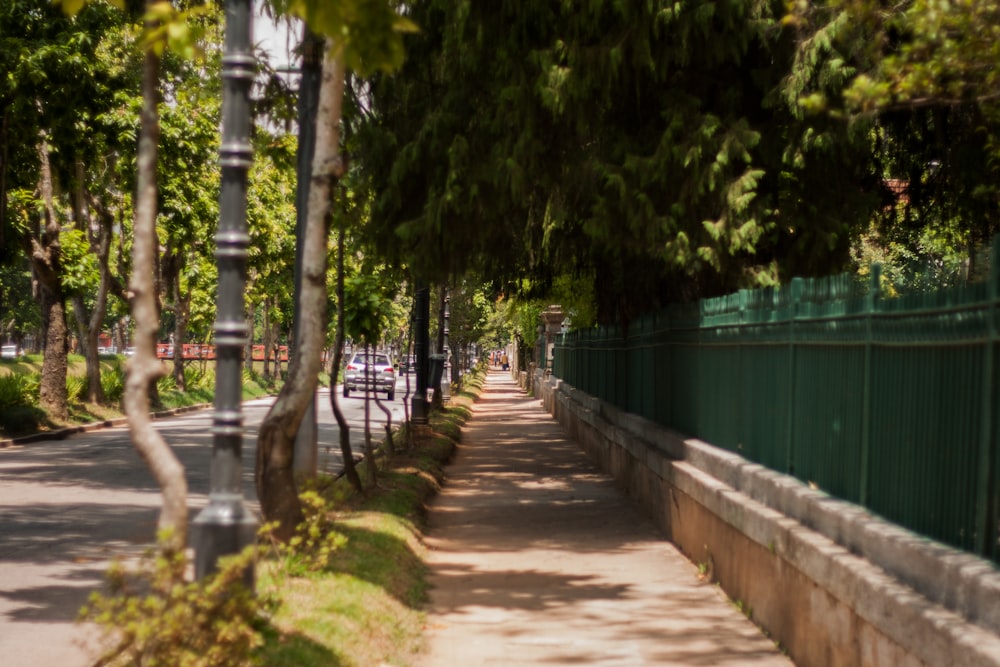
point(94, 219)
point(275, 478)
point(52, 390)
point(170, 271)
point(45, 263)
point(406, 396)
point(248, 348)
point(267, 334)
point(144, 368)
point(350, 470)
point(369, 389)
point(182, 314)
point(89, 339)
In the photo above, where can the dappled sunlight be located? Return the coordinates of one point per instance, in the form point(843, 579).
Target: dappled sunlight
point(537, 558)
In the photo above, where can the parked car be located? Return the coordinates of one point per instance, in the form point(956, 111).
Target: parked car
point(408, 365)
point(10, 352)
point(380, 377)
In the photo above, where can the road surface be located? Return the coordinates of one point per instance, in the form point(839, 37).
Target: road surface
point(68, 506)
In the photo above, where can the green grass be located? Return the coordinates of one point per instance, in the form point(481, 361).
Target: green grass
point(21, 415)
point(366, 607)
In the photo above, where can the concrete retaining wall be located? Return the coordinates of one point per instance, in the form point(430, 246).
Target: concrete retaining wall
point(832, 583)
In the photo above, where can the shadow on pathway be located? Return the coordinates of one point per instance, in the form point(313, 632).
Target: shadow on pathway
point(537, 559)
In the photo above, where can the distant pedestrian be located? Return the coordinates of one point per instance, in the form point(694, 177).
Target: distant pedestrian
point(504, 361)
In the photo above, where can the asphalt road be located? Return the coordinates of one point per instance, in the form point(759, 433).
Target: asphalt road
point(67, 507)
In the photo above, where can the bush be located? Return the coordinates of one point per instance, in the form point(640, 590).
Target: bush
point(200, 383)
point(199, 379)
point(19, 390)
point(316, 538)
point(155, 617)
point(76, 388)
point(113, 383)
point(166, 384)
point(20, 419)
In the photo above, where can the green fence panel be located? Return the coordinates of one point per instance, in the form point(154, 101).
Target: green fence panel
point(826, 443)
point(765, 405)
point(719, 394)
point(890, 403)
point(925, 441)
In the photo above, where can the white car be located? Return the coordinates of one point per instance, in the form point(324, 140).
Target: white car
point(10, 352)
point(381, 376)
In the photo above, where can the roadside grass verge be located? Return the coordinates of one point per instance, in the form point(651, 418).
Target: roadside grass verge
point(20, 414)
point(348, 590)
point(366, 606)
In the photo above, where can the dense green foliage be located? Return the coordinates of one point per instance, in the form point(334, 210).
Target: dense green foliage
point(610, 157)
point(641, 148)
point(922, 76)
point(660, 151)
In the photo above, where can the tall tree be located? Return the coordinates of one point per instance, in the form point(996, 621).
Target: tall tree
point(144, 368)
point(923, 76)
point(45, 252)
point(367, 38)
point(188, 184)
point(616, 142)
point(276, 486)
point(59, 85)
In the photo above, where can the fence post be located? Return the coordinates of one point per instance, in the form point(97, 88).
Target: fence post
point(871, 305)
point(988, 496)
point(798, 285)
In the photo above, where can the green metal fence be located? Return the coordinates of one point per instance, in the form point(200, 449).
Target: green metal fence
point(888, 403)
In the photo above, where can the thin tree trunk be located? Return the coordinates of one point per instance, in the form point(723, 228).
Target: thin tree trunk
point(170, 268)
point(406, 396)
point(248, 348)
point(369, 390)
point(144, 368)
point(275, 478)
point(267, 333)
point(88, 341)
point(390, 445)
point(93, 218)
point(350, 470)
point(180, 308)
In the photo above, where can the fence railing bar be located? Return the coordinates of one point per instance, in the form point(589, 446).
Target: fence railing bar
point(890, 402)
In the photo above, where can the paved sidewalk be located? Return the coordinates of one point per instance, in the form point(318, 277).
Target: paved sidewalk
point(537, 559)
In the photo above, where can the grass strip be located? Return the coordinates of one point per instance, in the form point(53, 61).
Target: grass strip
point(366, 606)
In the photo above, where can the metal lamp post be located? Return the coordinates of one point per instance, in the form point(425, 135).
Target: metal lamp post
point(446, 372)
point(419, 408)
point(225, 526)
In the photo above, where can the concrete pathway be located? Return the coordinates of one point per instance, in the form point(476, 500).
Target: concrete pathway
point(537, 559)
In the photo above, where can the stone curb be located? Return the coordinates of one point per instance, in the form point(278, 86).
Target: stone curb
point(63, 433)
point(935, 601)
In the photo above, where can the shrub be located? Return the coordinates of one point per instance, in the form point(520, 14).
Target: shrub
point(315, 541)
point(155, 617)
point(166, 384)
point(113, 383)
point(199, 379)
point(18, 419)
point(19, 389)
point(76, 388)
point(11, 391)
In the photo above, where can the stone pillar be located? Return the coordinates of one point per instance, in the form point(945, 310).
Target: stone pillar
point(552, 317)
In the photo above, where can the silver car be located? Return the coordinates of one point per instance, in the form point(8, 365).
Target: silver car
point(380, 376)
